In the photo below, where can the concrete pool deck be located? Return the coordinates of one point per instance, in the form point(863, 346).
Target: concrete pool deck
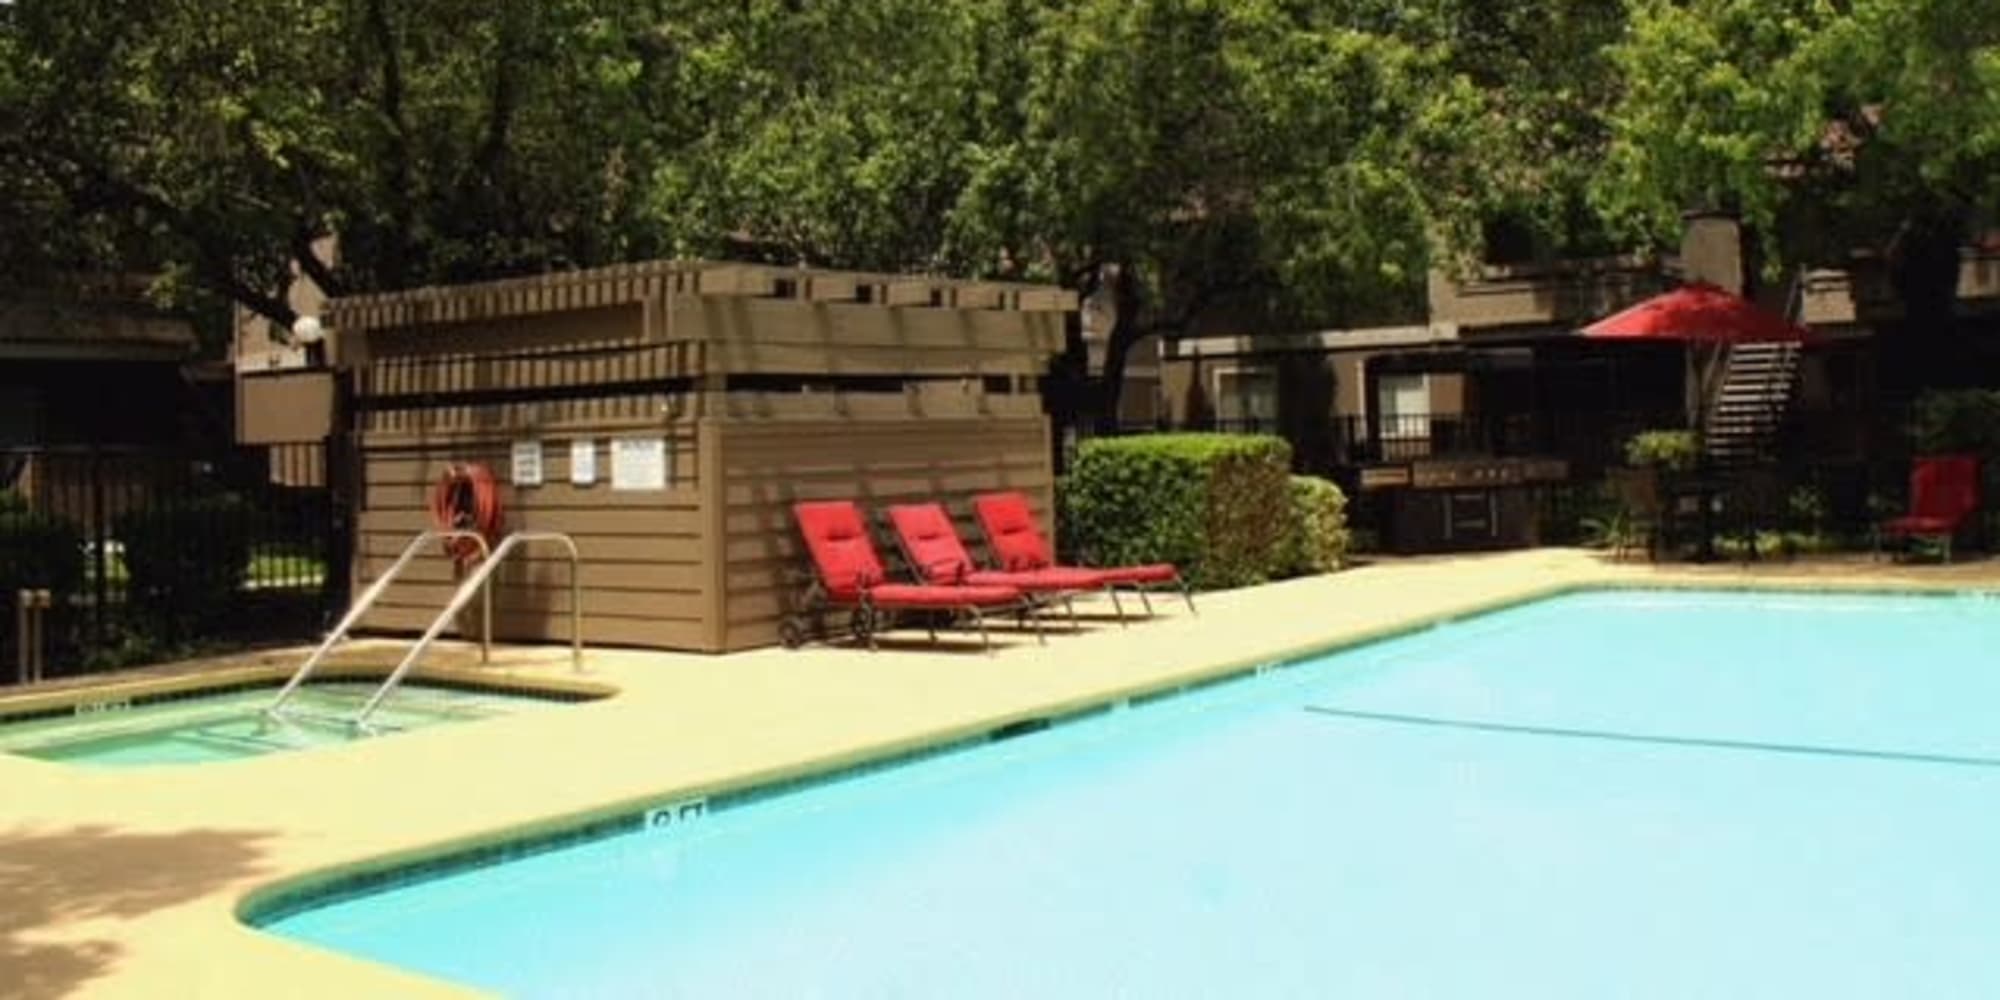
point(128, 882)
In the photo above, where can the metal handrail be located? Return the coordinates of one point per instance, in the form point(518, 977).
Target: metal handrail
point(464, 594)
point(374, 593)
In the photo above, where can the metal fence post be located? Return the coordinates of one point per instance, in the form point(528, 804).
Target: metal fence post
point(23, 640)
point(100, 547)
point(43, 599)
point(342, 479)
point(31, 633)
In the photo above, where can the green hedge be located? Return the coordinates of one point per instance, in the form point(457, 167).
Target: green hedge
point(39, 551)
point(1214, 504)
point(1957, 420)
point(185, 563)
point(1319, 537)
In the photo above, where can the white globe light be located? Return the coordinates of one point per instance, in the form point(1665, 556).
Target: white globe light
point(307, 330)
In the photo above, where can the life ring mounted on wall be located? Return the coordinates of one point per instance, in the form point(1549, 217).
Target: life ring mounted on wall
point(467, 498)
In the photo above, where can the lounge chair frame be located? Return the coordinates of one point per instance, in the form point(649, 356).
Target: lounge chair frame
point(865, 620)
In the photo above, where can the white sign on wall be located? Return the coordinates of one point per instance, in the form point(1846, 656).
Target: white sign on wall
point(639, 463)
point(527, 463)
point(583, 462)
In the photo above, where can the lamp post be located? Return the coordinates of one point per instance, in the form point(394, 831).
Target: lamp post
point(309, 333)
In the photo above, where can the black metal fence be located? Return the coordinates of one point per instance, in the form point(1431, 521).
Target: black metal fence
point(1334, 445)
point(1838, 475)
point(148, 554)
point(1590, 440)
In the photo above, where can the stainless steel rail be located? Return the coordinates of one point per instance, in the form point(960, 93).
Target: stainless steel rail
point(374, 593)
point(474, 584)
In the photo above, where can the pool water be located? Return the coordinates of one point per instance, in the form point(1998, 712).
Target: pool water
point(230, 726)
point(1604, 794)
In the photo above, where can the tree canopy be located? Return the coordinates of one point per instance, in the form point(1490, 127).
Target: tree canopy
point(1871, 125)
point(441, 139)
point(1302, 162)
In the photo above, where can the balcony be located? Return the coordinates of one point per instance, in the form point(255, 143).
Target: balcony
point(1862, 294)
point(1564, 294)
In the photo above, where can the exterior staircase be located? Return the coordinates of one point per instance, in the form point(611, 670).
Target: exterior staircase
point(1750, 402)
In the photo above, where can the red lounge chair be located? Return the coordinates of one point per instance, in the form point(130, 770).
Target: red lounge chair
point(848, 574)
point(933, 549)
point(1944, 491)
point(1017, 542)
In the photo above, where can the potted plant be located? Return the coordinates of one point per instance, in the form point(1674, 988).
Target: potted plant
point(1669, 451)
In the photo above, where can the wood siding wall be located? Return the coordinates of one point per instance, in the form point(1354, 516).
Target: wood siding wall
point(643, 552)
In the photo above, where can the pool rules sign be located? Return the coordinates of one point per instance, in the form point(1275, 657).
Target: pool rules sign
point(639, 463)
point(525, 460)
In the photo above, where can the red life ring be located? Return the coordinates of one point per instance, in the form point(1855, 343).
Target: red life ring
point(467, 498)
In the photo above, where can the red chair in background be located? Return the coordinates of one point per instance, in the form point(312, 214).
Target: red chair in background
point(848, 574)
point(1017, 541)
point(1944, 491)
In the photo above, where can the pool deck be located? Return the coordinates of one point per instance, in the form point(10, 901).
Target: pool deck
point(127, 882)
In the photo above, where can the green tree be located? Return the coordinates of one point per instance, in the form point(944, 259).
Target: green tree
point(1264, 157)
point(441, 139)
point(1543, 76)
point(1187, 156)
point(840, 135)
point(1869, 125)
point(1273, 158)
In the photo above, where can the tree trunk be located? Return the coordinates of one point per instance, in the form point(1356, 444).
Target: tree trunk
point(1125, 333)
point(1065, 387)
point(1924, 350)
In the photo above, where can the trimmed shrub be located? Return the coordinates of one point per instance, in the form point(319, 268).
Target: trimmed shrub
point(39, 551)
point(1959, 420)
point(1319, 527)
point(1210, 503)
point(185, 563)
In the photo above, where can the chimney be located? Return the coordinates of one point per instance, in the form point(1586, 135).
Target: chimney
point(1712, 250)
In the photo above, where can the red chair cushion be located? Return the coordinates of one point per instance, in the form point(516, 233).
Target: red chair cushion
point(931, 542)
point(920, 595)
point(1944, 490)
point(1149, 573)
point(1914, 524)
point(1018, 542)
point(842, 552)
point(1944, 486)
point(1011, 531)
point(1054, 578)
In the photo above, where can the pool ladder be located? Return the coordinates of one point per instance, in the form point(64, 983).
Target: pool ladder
point(474, 585)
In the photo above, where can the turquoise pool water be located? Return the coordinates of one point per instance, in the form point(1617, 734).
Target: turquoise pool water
point(1629, 794)
point(207, 728)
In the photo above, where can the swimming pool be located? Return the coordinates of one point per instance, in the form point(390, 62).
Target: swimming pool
point(1611, 793)
point(208, 726)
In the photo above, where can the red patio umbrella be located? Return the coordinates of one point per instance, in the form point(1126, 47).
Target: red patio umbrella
point(1704, 318)
point(1699, 313)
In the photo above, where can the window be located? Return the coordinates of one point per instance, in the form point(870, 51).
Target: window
point(1403, 414)
point(1246, 397)
point(20, 415)
point(1404, 402)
